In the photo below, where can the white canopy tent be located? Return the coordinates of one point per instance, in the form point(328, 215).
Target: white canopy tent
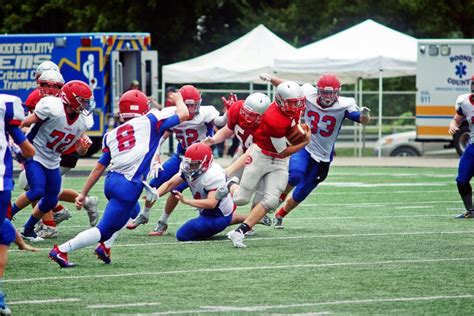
point(239, 61)
point(366, 50)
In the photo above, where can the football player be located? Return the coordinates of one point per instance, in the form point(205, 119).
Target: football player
point(57, 124)
point(203, 176)
point(50, 82)
point(267, 161)
point(11, 115)
point(128, 150)
point(325, 112)
point(465, 111)
point(199, 125)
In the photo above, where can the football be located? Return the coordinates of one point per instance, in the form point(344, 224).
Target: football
point(296, 134)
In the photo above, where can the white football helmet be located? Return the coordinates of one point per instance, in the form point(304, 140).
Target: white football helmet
point(45, 65)
point(50, 83)
point(253, 108)
point(290, 98)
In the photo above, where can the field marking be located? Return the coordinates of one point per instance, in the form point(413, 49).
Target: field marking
point(253, 238)
point(381, 192)
point(260, 308)
point(237, 269)
point(53, 300)
point(352, 205)
point(412, 207)
point(382, 184)
point(122, 305)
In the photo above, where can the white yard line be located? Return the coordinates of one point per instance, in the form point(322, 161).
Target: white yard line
point(237, 269)
point(259, 308)
point(122, 305)
point(252, 239)
point(52, 300)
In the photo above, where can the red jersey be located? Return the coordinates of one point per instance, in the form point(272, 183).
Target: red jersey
point(245, 135)
point(274, 124)
point(33, 99)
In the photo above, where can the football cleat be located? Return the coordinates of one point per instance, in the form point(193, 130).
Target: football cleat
point(4, 310)
point(91, 208)
point(140, 220)
point(159, 230)
point(267, 221)
point(150, 192)
point(47, 232)
point(278, 223)
point(62, 216)
point(237, 238)
point(222, 192)
point(103, 253)
point(467, 214)
point(250, 232)
point(60, 258)
point(31, 236)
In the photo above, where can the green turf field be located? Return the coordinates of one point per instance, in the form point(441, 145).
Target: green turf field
point(368, 241)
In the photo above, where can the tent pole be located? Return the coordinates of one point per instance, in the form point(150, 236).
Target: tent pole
point(380, 110)
point(360, 103)
point(356, 127)
point(163, 93)
point(251, 87)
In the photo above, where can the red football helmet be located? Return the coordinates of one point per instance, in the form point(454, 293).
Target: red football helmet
point(328, 89)
point(133, 103)
point(197, 159)
point(50, 83)
point(78, 95)
point(192, 99)
point(290, 98)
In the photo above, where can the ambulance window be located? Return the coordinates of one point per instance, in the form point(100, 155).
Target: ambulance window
point(148, 77)
point(445, 50)
point(433, 50)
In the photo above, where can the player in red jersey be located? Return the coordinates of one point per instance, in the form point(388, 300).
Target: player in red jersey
point(267, 159)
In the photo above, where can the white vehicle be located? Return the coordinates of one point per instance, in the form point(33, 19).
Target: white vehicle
point(444, 71)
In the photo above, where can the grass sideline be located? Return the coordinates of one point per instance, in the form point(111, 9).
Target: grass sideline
point(368, 241)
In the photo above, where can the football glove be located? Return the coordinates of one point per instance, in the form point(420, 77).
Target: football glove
point(265, 77)
point(364, 111)
point(229, 101)
point(155, 169)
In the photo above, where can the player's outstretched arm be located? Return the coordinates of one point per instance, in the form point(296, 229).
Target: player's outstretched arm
point(208, 203)
point(364, 115)
point(238, 164)
point(455, 123)
point(30, 120)
point(275, 81)
point(170, 184)
point(181, 108)
point(221, 135)
point(94, 176)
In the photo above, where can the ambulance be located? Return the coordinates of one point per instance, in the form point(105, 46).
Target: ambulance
point(444, 71)
point(108, 62)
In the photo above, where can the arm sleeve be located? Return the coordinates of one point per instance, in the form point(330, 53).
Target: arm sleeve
point(17, 134)
point(105, 158)
point(167, 124)
point(221, 121)
point(211, 114)
point(353, 116)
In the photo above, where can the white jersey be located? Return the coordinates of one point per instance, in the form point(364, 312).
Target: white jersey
point(211, 180)
point(56, 132)
point(465, 106)
point(192, 131)
point(325, 123)
point(11, 114)
point(132, 145)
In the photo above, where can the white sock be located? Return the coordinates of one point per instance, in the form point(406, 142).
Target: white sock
point(164, 217)
point(146, 212)
point(83, 239)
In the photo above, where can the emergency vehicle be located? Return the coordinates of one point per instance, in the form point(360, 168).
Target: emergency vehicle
point(108, 62)
point(444, 71)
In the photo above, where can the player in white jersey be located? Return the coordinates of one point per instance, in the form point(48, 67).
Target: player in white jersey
point(465, 111)
point(11, 115)
point(199, 125)
point(325, 112)
point(128, 151)
point(203, 176)
point(57, 124)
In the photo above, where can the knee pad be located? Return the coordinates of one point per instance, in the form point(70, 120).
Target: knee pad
point(270, 202)
point(47, 204)
point(464, 188)
point(295, 177)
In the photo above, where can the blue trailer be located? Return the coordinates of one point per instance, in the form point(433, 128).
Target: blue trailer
point(108, 62)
